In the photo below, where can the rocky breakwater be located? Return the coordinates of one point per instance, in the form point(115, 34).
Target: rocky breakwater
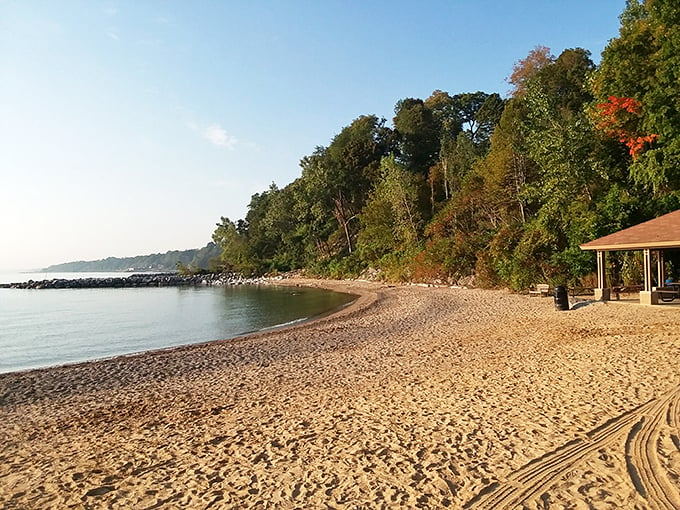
point(138, 280)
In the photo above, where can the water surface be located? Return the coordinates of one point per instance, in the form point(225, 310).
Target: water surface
point(40, 328)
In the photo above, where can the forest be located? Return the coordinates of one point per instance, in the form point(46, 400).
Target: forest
point(490, 191)
point(183, 261)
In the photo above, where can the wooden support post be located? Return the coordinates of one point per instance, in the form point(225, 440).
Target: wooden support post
point(647, 295)
point(648, 270)
point(660, 271)
point(602, 292)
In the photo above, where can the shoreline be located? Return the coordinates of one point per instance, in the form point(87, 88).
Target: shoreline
point(409, 397)
point(361, 300)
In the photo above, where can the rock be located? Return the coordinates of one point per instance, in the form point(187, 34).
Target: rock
point(140, 280)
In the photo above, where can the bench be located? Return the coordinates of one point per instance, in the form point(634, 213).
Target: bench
point(541, 290)
point(581, 291)
point(625, 289)
point(667, 294)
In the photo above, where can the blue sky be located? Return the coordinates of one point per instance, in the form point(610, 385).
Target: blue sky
point(130, 127)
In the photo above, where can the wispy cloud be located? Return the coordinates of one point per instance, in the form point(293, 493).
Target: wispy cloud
point(112, 33)
point(216, 135)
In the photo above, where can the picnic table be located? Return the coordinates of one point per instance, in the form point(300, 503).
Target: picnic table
point(669, 292)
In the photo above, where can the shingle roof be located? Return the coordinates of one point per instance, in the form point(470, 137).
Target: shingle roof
point(661, 232)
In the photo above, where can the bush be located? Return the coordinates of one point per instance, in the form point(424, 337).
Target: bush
point(632, 270)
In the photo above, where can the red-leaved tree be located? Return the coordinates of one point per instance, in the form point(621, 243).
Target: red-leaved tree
point(619, 118)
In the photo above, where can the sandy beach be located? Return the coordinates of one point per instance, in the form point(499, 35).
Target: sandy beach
point(412, 397)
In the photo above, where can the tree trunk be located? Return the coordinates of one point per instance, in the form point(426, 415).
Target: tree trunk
point(340, 213)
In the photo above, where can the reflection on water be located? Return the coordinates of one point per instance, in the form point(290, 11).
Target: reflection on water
point(49, 327)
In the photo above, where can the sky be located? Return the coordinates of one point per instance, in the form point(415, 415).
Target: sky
point(130, 127)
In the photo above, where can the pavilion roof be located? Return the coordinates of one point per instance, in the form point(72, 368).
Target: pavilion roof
point(659, 233)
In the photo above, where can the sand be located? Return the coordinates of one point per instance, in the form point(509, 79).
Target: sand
point(413, 397)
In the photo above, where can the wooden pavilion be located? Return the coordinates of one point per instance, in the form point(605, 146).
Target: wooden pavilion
point(652, 238)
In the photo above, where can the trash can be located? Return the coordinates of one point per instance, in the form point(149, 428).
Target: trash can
point(561, 298)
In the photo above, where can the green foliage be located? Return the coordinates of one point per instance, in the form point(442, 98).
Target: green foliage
point(391, 221)
point(183, 269)
point(418, 134)
point(398, 266)
point(231, 240)
point(337, 180)
point(643, 63)
point(474, 185)
point(457, 234)
point(632, 268)
point(345, 267)
point(189, 269)
point(376, 237)
point(479, 113)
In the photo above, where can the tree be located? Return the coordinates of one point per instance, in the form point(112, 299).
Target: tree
point(529, 202)
point(507, 168)
point(337, 179)
point(479, 112)
point(448, 122)
point(232, 240)
point(525, 69)
point(643, 64)
point(620, 119)
point(261, 244)
point(281, 225)
point(445, 110)
point(418, 134)
point(559, 138)
point(464, 123)
point(391, 221)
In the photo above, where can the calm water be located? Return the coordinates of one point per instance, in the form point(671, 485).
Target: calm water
point(40, 328)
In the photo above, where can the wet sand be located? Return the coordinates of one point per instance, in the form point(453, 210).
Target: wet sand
point(412, 397)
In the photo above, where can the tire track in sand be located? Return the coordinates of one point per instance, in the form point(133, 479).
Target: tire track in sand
point(673, 420)
point(643, 425)
point(642, 456)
